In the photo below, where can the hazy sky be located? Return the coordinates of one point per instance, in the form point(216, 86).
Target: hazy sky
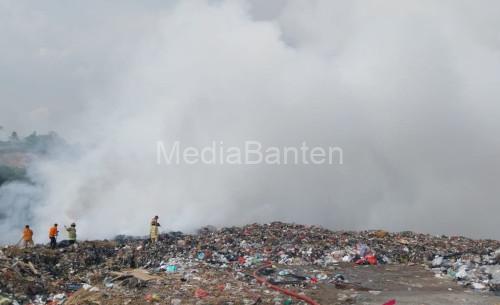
point(408, 89)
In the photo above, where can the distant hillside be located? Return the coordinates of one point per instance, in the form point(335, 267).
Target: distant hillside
point(11, 174)
point(16, 153)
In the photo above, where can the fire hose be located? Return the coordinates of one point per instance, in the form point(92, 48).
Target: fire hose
point(293, 294)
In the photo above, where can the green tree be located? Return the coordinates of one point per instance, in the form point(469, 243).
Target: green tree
point(14, 137)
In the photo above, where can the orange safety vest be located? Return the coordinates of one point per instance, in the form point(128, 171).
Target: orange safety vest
point(53, 232)
point(27, 234)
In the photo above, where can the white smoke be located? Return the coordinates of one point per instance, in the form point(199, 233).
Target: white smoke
point(407, 89)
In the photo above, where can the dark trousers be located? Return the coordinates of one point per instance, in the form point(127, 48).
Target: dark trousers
point(53, 242)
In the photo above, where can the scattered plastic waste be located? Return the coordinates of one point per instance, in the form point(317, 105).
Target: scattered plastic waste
point(217, 264)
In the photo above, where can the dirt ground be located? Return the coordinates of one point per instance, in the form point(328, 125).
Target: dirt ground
point(406, 284)
point(365, 285)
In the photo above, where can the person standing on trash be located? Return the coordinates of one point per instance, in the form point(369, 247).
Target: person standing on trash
point(71, 233)
point(154, 231)
point(53, 232)
point(28, 237)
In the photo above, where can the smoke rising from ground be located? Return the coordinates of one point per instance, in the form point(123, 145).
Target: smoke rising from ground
point(408, 90)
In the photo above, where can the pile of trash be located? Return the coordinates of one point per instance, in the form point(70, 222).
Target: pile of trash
point(40, 274)
point(192, 265)
point(479, 271)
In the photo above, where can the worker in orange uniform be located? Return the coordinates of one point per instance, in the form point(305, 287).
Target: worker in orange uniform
point(53, 232)
point(28, 237)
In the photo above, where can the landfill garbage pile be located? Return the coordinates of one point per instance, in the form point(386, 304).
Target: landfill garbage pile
point(235, 265)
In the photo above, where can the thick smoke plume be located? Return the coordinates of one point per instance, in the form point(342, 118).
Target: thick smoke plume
point(408, 89)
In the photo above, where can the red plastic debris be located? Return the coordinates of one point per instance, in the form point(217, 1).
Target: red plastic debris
point(368, 259)
point(371, 259)
point(200, 293)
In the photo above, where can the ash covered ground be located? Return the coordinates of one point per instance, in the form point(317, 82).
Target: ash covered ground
point(275, 263)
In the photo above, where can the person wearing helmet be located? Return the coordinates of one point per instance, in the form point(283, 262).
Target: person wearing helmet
point(71, 233)
point(154, 231)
